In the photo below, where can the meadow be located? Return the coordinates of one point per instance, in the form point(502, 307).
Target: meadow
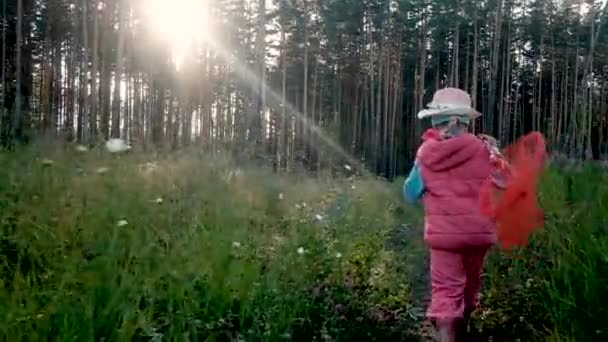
point(189, 246)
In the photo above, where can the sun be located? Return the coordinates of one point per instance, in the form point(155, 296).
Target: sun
point(181, 23)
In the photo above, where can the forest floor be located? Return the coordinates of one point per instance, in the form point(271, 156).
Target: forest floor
point(192, 247)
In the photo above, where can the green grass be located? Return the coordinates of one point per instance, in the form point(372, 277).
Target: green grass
point(212, 251)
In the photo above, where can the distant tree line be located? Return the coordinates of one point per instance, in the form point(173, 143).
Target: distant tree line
point(284, 81)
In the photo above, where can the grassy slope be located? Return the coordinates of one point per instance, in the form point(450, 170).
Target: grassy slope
point(248, 255)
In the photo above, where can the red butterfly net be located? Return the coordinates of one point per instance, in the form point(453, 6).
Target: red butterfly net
point(510, 195)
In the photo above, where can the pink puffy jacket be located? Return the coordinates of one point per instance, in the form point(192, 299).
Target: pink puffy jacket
point(452, 171)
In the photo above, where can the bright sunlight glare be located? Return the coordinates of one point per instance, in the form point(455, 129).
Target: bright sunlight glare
point(181, 23)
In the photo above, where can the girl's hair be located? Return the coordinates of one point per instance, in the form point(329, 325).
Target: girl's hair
point(453, 127)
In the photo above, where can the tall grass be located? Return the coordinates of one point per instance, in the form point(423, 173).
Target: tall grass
point(556, 286)
point(189, 247)
point(97, 246)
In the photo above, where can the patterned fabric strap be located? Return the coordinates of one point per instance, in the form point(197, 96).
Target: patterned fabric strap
point(501, 171)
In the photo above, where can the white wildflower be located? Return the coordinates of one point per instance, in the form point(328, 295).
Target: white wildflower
point(298, 206)
point(319, 217)
point(122, 223)
point(47, 162)
point(149, 166)
point(236, 244)
point(338, 255)
point(301, 250)
point(353, 187)
point(346, 166)
point(159, 200)
point(303, 204)
point(81, 148)
point(102, 170)
point(117, 145)
point(281, 196)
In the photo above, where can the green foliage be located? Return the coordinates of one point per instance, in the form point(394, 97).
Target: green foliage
point(97, 246)
point(556, 286)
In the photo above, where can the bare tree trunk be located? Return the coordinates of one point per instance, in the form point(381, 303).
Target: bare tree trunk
point(475, 62)
point(421, 68)
point(386, 112)
point(305, 126)
point(94, 97)
point(3, 75)
point(538, 111)
point(591, 81)
point(255, 126)
point(138, 121)
point(575, 102)
point(562, 124)
point(467, 71)
point(314, 142)
point(15, 122)
point(505, 99)
point(126, 116)
point(554, 136)
point(377, 130)
point(489, 126)
point(68, 126)
point(118, 72)
point(455, 53)
point(397, 82)
point(105, 81)
point(284, 138)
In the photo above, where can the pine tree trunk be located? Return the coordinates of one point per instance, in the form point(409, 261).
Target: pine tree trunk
point(475, 62)
point(94, 98)
point(15, 122)
point(284, 141)
point(3, 110)
point(421, 69)
point(489, 122)
point(118, 72)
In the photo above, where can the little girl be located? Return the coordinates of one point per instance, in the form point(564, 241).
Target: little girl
point(450, 167)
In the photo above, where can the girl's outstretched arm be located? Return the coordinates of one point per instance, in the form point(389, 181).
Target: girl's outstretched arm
point(413, 187)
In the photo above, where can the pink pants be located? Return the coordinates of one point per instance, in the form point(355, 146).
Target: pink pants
point(455, 282)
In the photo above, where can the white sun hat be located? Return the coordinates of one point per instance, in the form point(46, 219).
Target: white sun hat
point(450, 101)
